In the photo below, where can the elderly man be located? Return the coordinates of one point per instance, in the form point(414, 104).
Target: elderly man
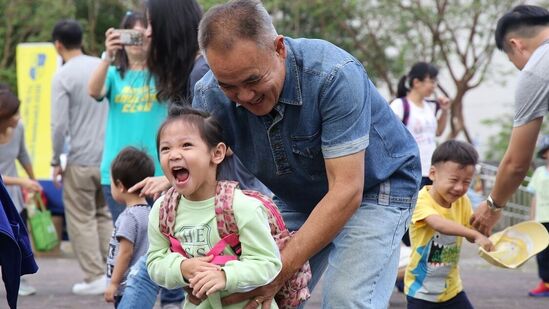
point(305, 119)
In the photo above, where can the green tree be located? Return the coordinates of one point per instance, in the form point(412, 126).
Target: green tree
point(497, 143)
point(388, 36)
point(26, 21)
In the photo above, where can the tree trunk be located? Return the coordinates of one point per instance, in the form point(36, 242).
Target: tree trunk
point(457, 121)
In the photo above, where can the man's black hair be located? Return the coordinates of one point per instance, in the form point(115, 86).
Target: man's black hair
point(131, 166)
point(69, 33)
point(519, 18)
point(455, 151)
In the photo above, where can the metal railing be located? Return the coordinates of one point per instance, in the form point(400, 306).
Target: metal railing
point(518, 207)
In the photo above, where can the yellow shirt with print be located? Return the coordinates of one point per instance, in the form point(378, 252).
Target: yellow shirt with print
point(433, 273)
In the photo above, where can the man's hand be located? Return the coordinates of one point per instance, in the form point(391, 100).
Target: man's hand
point(190, 267)
point(57, 176)
point(262, 296)
point(208, 282)
point(151, 186)
point(484, 219)
point(109, 292)
point(191, 298)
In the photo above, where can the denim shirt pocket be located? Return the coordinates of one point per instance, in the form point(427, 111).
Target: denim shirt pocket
point(308, 154)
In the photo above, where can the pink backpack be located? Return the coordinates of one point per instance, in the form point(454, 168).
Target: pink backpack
point(294, 291)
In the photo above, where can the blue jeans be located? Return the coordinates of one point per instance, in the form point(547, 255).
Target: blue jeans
point(369, 245)
point(115, 207)
point(141, 291)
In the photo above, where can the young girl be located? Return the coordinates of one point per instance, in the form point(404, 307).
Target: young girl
point(190, 148)
point(424, 120)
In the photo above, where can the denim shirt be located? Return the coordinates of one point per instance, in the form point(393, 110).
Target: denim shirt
point(328, 108)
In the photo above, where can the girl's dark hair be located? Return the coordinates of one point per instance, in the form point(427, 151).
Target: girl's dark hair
point(128, 22)
point(461, 153)
point(208, 127)
point(9, 103)
point(174, 46)
point(130, 166)
point(420, 71)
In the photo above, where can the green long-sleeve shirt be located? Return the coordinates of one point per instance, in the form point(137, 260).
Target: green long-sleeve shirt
point(196, 229)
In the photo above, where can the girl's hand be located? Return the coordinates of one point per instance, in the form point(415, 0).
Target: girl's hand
point(208, 282)
point(444, 103)
point(112, 42)
point(31, 185)
point(191, 267)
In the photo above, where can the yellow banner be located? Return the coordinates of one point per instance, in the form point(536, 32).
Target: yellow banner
point(36, 65)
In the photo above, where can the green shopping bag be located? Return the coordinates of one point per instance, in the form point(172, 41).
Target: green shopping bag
point(43, 231)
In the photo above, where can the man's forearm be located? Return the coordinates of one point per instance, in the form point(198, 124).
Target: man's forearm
point(516, 161)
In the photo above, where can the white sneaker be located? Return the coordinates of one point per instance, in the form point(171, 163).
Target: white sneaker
point(26, 289)
point(96, 287)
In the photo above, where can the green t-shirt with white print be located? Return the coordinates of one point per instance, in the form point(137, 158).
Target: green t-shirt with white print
point(196, 230)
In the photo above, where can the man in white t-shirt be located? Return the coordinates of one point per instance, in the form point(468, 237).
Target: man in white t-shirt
point(523, 34)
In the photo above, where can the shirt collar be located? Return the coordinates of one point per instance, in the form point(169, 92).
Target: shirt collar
point(291, 92)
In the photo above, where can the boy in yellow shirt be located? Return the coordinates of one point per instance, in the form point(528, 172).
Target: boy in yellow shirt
point(439, 223)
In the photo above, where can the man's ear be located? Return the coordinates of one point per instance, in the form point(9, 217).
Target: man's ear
point(218, 153)
point(516, 45)
point(280, 46)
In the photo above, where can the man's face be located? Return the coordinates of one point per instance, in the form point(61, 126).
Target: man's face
point(250, 75)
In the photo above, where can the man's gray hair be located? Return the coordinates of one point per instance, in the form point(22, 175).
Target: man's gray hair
point(224, 24)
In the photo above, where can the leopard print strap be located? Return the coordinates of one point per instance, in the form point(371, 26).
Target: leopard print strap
point(168, 211)
point(224, 194)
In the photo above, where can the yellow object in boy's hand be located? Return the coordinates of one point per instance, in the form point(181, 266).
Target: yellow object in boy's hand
point(516, 244)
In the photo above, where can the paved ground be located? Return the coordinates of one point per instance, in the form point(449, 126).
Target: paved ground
point(487, 286)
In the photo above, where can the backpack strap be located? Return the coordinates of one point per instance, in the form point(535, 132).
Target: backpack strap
point(406, 108)
point(224, 195)
point(166, 222)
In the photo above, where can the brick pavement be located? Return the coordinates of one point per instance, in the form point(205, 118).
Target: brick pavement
point(488, 287)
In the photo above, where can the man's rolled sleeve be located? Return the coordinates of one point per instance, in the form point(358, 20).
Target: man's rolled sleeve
point(345, 108)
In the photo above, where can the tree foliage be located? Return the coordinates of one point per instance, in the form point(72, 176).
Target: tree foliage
point(388, 36)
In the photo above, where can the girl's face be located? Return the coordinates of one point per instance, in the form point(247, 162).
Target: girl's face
point(138, 51)
point(188, 162)
point(425, 87)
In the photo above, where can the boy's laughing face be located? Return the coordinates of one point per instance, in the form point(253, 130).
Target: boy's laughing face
point(451, 181)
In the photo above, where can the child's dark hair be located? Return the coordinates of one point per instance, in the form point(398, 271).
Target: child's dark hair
point(526, 20)
point(419, 71)
point(69, 33)
point(209, 128)
point(130, 166)
point(461, 153)
point(128, 22)
point(9, 103)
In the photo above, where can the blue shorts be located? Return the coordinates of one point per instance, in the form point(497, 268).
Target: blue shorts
point(460, 301)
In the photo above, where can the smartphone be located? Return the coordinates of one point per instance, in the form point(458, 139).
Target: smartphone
point(130, 36)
